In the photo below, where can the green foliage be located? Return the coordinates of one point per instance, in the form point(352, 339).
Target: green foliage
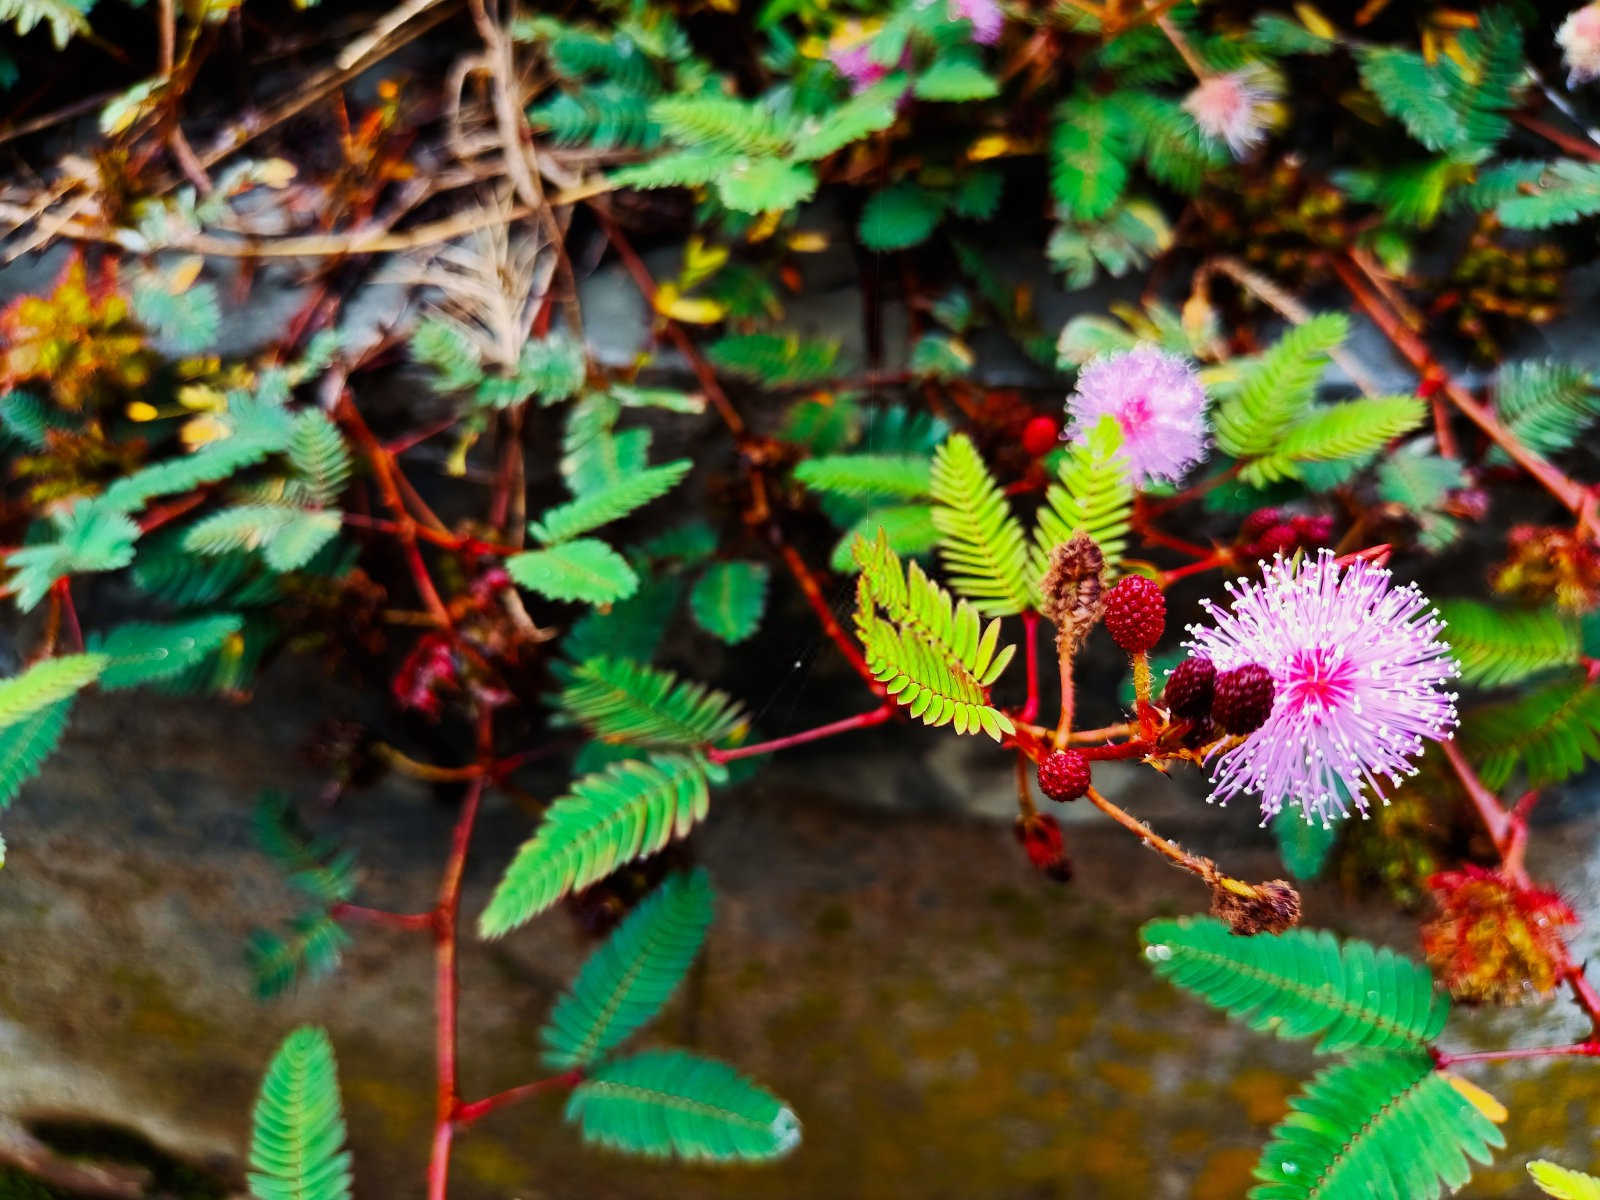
point(63, 17)
point(1274, 391)
point(26, 744)
point(668, 1102)
point(611, 503)
point(1128, 239)
point(633, 974)
point(587, 571)
point(1303, 983)
point(174, 576)
point(1174, 150)
point(728, 599)
point(936, 657)
point(1547, 405)
point(909, 529)
point(864, 114)
point(287, 537)
point(28, 419)
point(1089, 149)
point(629, 810)
point(1497, 646)
point(715, 122)
point(1551, 732)
point(1303, 844)
point(1093, 493)
point(143, 653)
point(1416, 478)
point(297, 1136)
point(1567, 191)
point(626, 701)
point(956, 77)
point(445, 345)
point(901, 215)
point(606, 117)
point(1562, 1183)
point(186, 322)
point(1355, 429)
point(980, 539)
point(868, 476)
point(317, 451)
point(310, 948)
point(1379, 1124)
point(45, 684)
point(774, 358)
point(1411, 90)
point(91, 536)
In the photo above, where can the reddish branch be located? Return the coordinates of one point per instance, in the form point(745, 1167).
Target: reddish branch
point(866, 720)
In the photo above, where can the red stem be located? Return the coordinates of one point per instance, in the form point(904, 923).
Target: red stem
point(812, 591)
point(1030, 650)
point(378, 916)
point(466, 1114)
point(860, 721)
point(1588, 1049)
point(69, 612)
point(1137, 748)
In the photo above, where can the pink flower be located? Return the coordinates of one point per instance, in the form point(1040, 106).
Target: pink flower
point(1359, 674)
point(1237, 108)
point(1158, 401)
point(1579, 39)
point(986, 16)
point(850, 52)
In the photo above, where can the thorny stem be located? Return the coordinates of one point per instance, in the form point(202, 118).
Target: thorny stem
point(1179, 857)
point(1569, 492)
point(1588, 1049)
point(866, 720)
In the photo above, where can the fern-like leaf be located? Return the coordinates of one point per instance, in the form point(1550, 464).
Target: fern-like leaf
point(312, 950)
point(1351, 430)
point(625, 983)
point(668, 1102)
point(1548, 405)
point(26, 744)
point(909, 529)
point(63, 17)
point(318, 452)
point(1497, 647)
point(625, 701)
point(934, 654)
point(1089, 149)
point(607, 819)
point(1563, 1184)
point(980, 538)
point(1093, 494)
point(728, 599)
point(1275, 390)
point(1303, 983)
point(903, 214)
point(1565, 192)
point(1553, 732)
point(1375, 1125)
point(296, 1147)
point(868, 476)
point(144, 653)
point(46, 683)
point(92, 536)
point(774, 358)
point(586, 570)
point(597, 508)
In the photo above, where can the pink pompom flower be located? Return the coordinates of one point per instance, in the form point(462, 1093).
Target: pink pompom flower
point(1238, 108)
point(987, 18)
point(1157, 400)
point(1359, 674)
point(1579, 39)
point(850, 52)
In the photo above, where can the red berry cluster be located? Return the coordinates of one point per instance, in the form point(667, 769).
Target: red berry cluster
point(1237, 701)
point(427, 670)
point(1135, 614)
point(1269, 531)
point(1064, 775)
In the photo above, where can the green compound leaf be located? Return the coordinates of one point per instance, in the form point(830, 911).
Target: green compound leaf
point(1411, 90)
point(1552, 731)
point(146, 653)
point(758, 185)
point(1562, 1183)
point(586, 570)
point(1498, 646)
point(607, 819)
point(628, 980)
point(46, 683)
point(934, 654)
point(1566, 192)
point(1093, 493)
point(624, 701)
point(1089, 149)
point(1275, 390)
point(92, 536)
point(26, 744)
point(955, 79)
point(318, 452)
point(774, 358)
point(668, 1102)
point(1548, 405)
point(909, 529)
point(1303, 845)
point(868, 476)
point(296, 1147)
point(861, 116)
point(1303, 983)
point(611, 503)
point(1375, 1125)
point(980, 539)
point(728, 599)
point(901, 215)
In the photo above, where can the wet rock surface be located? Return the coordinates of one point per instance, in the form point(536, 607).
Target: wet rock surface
point(946, 1022)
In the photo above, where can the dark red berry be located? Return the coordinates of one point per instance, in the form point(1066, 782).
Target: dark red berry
point(1189, 687)
point(1041, 839)
point(1202, 733)
point(1064, 775)
point(1280, 539)
point(1243, 699)
point(1135, 614)
point(1257, 523)
point(1040, 436)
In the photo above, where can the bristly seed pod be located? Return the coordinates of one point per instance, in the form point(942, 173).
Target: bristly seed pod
point(1074, 588)
point(1249, 909)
